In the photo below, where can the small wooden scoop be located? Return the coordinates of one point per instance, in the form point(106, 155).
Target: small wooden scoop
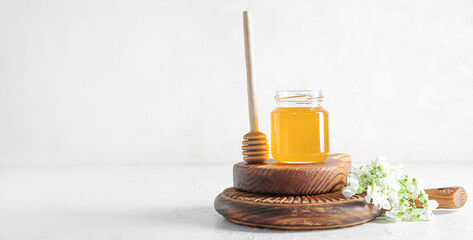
point(255, 144)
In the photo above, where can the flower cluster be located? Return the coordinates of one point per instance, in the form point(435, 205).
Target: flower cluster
point(388, 188)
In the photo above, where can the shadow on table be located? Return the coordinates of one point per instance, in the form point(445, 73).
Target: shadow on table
point(382, 218)
point(205, 217)
point(444, 211)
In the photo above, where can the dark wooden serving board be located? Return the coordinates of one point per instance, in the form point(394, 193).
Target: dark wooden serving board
point(272, 177)
point(323, 211)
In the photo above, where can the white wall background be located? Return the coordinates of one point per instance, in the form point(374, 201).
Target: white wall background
point(151, 82)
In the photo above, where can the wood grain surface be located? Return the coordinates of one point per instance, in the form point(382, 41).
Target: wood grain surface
point(323, 211)
point(292, 179)
point(448, 197)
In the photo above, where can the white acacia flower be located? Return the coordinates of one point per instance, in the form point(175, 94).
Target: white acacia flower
point(349, 192)
point(353, 186)
point(384, 203)
point(393, 215)
point(387, 187)
point(380, 161)
point(430, 205)
point(393, 198)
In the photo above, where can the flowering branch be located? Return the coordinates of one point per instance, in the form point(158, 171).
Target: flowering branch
point(388, 188)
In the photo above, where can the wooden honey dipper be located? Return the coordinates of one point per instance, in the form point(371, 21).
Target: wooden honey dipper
point(255, 144)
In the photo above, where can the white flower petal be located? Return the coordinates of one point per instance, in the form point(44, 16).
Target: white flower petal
point(348, 192)
point(433, 204)
point(429, 215)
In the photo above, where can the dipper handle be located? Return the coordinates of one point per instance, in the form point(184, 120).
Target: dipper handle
point(448, 197)
point(252, 108)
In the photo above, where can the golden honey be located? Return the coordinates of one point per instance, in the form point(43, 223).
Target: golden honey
point(299, 128)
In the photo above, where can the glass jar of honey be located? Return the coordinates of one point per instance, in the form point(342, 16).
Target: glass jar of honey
point(299, 127)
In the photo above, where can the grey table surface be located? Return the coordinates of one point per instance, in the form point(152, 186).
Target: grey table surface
point(176, 202)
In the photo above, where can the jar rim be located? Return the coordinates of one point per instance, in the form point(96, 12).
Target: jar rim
point(298, 95)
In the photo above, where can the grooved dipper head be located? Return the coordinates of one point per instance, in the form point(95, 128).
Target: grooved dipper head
point(255, 147)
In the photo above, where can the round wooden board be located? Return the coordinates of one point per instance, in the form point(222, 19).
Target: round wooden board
point(323, 211)
point(272, 177)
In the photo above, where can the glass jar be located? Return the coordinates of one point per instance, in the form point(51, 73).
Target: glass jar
point(299, 127)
